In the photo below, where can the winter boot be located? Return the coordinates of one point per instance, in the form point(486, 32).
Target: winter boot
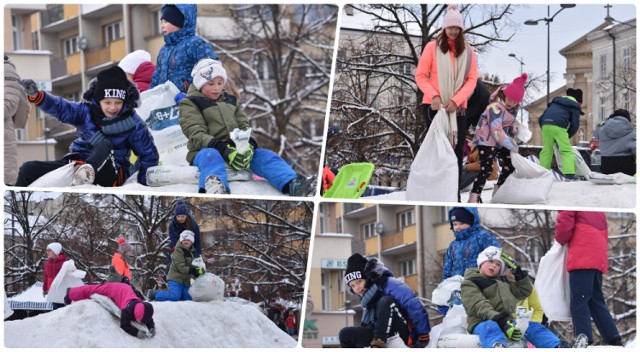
point(151, 295)
point(302, 186)
point(571, 178)
point(474, 198)
point(615, 342)
point(582, 341)
point(378, 343)
point(213, 185)
point(499, 345)
point(84, 175)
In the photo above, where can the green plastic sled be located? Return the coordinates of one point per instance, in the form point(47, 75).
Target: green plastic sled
point(351, 181)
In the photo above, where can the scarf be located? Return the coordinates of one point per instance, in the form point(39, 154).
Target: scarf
point(450, 78)
point(368, 302)
point(110, 126)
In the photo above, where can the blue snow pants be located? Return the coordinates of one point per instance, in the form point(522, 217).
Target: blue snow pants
point(265, 164)
point(177, 292)
point(587, 301)
point(489, 333)
point(540, 336)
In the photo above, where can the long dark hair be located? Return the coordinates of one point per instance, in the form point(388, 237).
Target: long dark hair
point(460, 43)
point(186, 225)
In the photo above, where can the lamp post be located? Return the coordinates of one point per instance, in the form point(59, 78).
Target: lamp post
point(347, 303)
point(548, 21)
point(519, 60)
point(46, 142)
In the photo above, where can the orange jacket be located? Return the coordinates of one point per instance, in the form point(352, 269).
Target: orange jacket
point(121, 265)
point(427, 76)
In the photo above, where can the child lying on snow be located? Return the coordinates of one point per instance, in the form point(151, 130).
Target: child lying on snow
point(124, 297)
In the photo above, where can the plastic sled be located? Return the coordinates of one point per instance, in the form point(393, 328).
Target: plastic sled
point(351, 181)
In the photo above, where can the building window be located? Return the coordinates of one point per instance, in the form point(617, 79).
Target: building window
point(626, 103)
point(626, 59)
point(15, 30)
point(323, 218)
point(369, 229)
point(408, 267)
point(603, 66)
point(70, 46)
point(325, 288)
point(156, 23)
point(112, 32)
point(405, 219)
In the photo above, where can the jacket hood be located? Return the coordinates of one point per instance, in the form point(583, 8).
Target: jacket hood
point(131, 102)
point(464, 234)
point(566, 102)
point(190, 13)
point(377, 267)
point(616, 127)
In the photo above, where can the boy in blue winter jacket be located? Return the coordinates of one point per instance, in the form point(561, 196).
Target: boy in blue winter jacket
point(107, 131)
point(182, 49)
point(559, 122)
point(389, 307)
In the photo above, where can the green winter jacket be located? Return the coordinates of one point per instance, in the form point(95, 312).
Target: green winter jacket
point(205, 121)
point(180, 264)
point(486, 298)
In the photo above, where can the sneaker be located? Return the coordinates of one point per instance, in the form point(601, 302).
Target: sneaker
point(378, 343)
point(302, 186)
point(84, 175)
point(571, 178)
point(213, 185)
point(582, 341)
point(499, 345)
point(151, 295)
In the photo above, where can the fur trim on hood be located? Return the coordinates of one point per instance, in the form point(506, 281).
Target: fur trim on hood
point(131, 102)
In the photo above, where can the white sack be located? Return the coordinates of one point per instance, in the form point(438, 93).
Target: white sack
point(434, 171)
point(68, 276)
point(529, 184)
point(442, 293)
point(60, 177)
point(163, 175)
point(552, 284)
point(582, 169)
point(206, 288)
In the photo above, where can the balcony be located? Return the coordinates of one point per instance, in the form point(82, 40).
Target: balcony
point(371, 246)
point(59, 18)
point(113, 52)
point(393, 243)
point(73, 64)
point(412, 281)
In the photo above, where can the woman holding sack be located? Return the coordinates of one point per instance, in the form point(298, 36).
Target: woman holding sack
point(447, 74)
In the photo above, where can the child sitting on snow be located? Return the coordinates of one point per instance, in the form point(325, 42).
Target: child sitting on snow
point(207, 117)
point(107, 131)
point(180, 272)
point(490, 299)
point(494, 135)
point(124, 297)
point(389, 307)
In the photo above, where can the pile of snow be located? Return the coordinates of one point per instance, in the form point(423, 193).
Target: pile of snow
point(581, 193)
point(184, 324)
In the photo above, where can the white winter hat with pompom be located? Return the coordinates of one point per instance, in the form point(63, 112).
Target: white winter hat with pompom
point(206, 70)
point(130, 63)
point(55, 247)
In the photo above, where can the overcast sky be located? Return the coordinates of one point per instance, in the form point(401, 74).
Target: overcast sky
point(530, 42)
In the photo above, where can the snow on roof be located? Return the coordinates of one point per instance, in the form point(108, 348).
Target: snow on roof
point(185, 324)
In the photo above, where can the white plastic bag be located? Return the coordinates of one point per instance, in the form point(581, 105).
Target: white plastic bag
point(172, 174)
point(434, 171)
point(552, 284)
point(160, 112)
point(582, 169)
point(60, 177)
point(614, 179)
point(68, 276)
point(206, 288)
point(529, 184)
point(442, 293)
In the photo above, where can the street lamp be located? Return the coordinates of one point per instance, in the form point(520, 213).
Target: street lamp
point(519, 60)
point(548, 21)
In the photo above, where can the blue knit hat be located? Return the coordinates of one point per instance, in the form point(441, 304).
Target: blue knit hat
point(462, 215)
point(181, 209)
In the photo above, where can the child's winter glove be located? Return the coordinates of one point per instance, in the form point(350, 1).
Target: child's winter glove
point(142, 334)
point(509, 328)
point(152, 332)
point(514, 141)
point(179, 97)
point(196, 271)
point(248, 156)
point(29, 87)
point(422, 342)
point(232, 157)
point(511, 263)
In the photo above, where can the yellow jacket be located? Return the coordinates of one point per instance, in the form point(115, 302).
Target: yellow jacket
point(533, 302)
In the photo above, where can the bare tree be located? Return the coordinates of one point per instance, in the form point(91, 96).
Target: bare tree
point(282, 55)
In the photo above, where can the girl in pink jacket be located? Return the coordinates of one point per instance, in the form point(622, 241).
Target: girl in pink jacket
point(124, 297)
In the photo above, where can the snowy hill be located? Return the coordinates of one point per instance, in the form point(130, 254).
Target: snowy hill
point(580, 194)
point(178, 324)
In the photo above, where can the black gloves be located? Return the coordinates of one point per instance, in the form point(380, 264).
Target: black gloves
point(196, 271)
point(509, 327)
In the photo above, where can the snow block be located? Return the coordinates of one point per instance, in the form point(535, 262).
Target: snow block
point(206, 288)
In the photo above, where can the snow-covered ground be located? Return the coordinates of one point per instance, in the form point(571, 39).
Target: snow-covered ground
point(572, 194)
point(178, 324)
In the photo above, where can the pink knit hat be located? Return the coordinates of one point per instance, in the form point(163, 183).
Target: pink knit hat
point(515, 90)
point(453, 18)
